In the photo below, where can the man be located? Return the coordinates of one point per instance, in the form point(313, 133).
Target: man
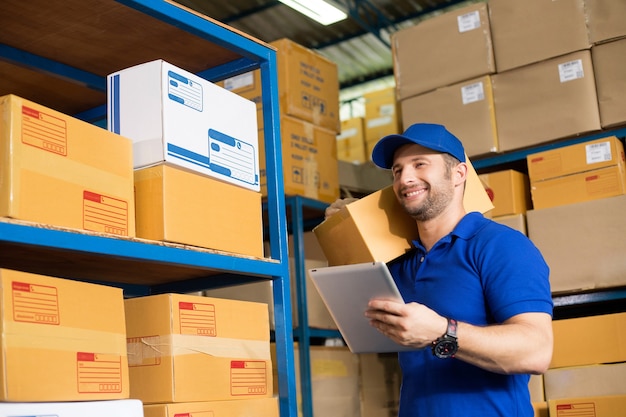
point(478, 304)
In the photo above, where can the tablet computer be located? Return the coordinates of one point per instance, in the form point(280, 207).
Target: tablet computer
point(346, 290)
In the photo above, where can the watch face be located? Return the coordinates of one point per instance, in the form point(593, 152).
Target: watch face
point(445, 348)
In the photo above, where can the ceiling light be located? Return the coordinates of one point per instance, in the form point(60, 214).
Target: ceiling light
point(318, 10)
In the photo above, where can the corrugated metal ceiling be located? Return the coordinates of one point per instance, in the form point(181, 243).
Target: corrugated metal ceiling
point(359, 45)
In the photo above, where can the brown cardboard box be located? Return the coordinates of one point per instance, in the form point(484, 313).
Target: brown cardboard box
point(443, 50)
point(573, 159)
point(514, 221)
point(605, 19)
point(577, 188)
point(266, 407)
point(536, 388)
point(608, 61)
point(609, 406)
point(509, 191)
point(334, 381)
point(191, 348)
point(546, 101)
point(557, 232)
point(170, 208)
point(382, 116)
point(351, 141)
point(62, 340)
point(541, 409)
point(309, 160)
point(380, 377)
point(376, 227)
point(466, 109)
point(62, 171)
point(585, 381)
point(579, 341)
point(525, 32)
point(308, 85)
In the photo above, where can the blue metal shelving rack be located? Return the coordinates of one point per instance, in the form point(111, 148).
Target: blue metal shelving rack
point(142, 267)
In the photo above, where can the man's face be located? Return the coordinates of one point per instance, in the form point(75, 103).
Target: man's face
point(421, 181)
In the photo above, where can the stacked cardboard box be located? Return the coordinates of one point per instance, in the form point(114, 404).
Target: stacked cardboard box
point(189, 134)
point(382, 116)
point(351, 141)
point(509, 191)
point(61, 171)
point(308, 90)
point(62, 340)
point(186, 348)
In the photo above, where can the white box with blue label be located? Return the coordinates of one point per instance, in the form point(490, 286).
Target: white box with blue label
point(177, 117)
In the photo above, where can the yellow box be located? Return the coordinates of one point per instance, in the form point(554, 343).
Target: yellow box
point(573, 159)
point(170, 208)
point(266, 407)
point(509, 191)
point(310, 167)
point(541, 409)
point(382, 115)
point(62, 340)
point(577, 188)
point(308, 84)
point(376, 227)
point(577, 341)
point(61, 171)
point(609, 406)
point(351, 141)
point(192, 348)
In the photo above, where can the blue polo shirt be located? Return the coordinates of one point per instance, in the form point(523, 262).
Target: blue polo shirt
point(481, 273)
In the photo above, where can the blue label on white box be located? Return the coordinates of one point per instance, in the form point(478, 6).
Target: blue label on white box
point(184, 91)
point(232, 157)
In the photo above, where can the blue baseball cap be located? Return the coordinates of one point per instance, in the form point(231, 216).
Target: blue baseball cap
point(428, 135)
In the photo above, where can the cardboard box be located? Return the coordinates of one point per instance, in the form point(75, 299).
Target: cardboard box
point(382, 115)
point(118, 408)
point(557, 232)
point(545, 101)
point(536, 388)
point(309, 160)
point(585, 381)
point(334, 381)
point(262, 292)
point(509, 191)
point(64, 172)
point(170, 208)
point(525, 32)
point(577, 188)
point(173, 339)
point(380, 377)
point(541, 409)
point(62, 340)
point(233, 408)
point(443, 50)
point(351, 141)
point(514, 221)
point(608, 59)
point(376, 227)
point(609, 406)
point(174, 116)
point(308, 85)
point(605, 19)
point(573, 159)
point(466, 108)
point(578, 341)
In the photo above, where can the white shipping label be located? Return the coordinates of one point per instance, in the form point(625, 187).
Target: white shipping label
point(472, 93)
point(571, 70)
point(184, 91)
point(468, 21)
point(598, 152)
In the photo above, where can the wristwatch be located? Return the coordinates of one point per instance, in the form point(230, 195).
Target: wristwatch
point(446, 345)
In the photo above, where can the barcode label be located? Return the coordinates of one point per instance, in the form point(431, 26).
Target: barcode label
point(598, 152)
point(572, 70)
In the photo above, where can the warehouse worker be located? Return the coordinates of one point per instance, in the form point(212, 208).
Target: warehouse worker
point(478, 304)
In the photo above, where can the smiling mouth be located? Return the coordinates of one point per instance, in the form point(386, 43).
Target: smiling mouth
point(413, 192)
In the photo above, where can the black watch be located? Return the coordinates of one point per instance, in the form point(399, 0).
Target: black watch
point(446, 345)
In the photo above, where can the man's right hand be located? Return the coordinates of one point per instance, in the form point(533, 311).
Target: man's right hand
point(338, 205)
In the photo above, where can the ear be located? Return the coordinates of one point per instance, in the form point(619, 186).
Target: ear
point(460, 173)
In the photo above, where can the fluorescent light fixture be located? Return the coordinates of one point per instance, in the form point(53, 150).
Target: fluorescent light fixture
point(318, 10)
